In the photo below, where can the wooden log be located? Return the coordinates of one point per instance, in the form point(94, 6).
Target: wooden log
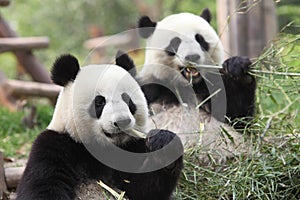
point(256, 36)
point(246, 26)
point(223, 19)
point(3, 187)
point(26, 88)
point(269, 8)
point(4, 2)
point(26, 58)
point(27, 43)
point(13, 176)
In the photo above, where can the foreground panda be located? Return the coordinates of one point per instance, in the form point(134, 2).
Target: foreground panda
point(88, 139)
point(173, 90)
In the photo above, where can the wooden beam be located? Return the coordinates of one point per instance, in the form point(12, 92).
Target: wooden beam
point(24, 43)
point(4, 2)
point(246, 26)
point(3, 187)
point(13, 176)
point(223, 20)
point(256, 36)
point(26, 88)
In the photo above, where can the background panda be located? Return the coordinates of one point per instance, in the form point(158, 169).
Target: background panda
point(95, 109)
point(169, 85)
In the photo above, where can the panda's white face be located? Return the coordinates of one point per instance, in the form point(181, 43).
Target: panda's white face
point(100, 105)
point(179, 39)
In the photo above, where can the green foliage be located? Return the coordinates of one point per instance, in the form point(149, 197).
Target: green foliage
point(13, 133)
point(66, 23)
point(271, 170)
point(193, 6)
point(8, 63)
point(289, 14)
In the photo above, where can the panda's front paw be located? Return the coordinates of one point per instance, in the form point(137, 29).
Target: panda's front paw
point(236, 67)
point(157, 139)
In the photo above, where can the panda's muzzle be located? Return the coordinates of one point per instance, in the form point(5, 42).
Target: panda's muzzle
point(114, 135)
point(120, 126)
point(189, 72)
point(123, 123)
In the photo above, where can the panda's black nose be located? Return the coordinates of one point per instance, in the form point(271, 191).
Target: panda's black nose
point(192, 58)
point(122, 123)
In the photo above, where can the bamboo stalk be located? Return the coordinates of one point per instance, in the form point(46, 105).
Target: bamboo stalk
point(202, 66)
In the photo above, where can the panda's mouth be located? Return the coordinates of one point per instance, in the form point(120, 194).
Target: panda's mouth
point(190, 72)
point(113, 135)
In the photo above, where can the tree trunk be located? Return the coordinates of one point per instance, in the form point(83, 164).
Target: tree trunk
point(246, 26)
point(3, 187)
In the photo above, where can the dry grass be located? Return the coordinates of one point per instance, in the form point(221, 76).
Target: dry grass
point(272, 169)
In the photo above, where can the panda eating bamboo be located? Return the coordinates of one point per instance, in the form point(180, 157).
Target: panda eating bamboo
point(198, 103)
point(89, 139)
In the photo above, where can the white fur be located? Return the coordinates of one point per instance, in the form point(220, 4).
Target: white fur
point(185, 26)
point(72, 111)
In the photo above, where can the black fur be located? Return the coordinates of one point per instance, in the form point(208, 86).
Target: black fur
point(172, 48)
point(57, 165)
point(124, 61)
point(200, 39)
point(132, 107)
point(99, 103)
point(65, 69)
point(239, 85)
point(206, 14)
point(146, 26)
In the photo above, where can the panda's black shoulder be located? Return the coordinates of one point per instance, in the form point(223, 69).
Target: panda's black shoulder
point(51, 144)
point(53, 138)
point(54, 157)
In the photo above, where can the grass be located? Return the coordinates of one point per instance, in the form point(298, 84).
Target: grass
point(272, 170)
point(15, 138)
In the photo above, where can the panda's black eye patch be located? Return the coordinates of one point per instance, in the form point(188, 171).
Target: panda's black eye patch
point(172, 48)
point(126, 98)
point(200, 39)
point(99, 105)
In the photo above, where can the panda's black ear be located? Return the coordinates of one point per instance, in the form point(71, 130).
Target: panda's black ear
point(146, 26)
point(124, 61)
point(206, 14)
point(64, 69)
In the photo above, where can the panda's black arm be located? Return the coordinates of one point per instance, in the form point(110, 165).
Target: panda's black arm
point(156, 92)
point(154, 185)
point(161, 183)
point(50, 171)
point(240, 88)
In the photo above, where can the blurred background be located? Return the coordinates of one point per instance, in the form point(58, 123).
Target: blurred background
point(68, 24)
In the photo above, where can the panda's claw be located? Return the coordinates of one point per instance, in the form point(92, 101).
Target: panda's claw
point(236, 67)
point(157, 139)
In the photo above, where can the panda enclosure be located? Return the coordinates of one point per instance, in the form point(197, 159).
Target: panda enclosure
point(243, 33)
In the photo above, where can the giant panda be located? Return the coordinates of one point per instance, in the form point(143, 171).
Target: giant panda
point(89, 139)
point(173, 89)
